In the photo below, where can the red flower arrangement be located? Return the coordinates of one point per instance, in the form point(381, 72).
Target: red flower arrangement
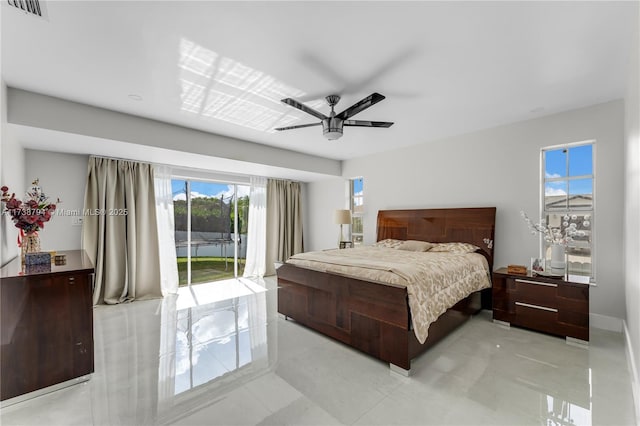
point(29, 216)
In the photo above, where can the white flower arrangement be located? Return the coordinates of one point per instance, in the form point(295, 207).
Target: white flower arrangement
point(555, 235)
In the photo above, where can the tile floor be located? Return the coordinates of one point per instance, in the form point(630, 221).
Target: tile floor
point(220, 354)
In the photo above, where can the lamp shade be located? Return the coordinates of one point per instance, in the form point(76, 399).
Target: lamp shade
point(342, 217)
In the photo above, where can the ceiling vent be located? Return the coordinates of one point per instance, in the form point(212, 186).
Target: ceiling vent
point(31, 7)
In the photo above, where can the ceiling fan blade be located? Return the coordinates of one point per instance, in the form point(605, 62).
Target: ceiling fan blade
point(342, 86)
point(303, 107)
point(299, 126)
point(322, 66)
point(364, 123)
point(365, 103)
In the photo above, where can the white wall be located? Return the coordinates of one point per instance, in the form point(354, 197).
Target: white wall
point(632, 216)
point(11, 175)
point(495, 167)
point(61, 176)
point(322, 198)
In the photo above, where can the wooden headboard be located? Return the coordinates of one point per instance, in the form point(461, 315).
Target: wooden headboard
point(466, 225)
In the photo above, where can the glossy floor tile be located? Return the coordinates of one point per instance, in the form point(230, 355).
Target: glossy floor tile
point(219, 354)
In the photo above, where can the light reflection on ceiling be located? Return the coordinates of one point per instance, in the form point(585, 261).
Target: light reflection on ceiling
point(218, 87)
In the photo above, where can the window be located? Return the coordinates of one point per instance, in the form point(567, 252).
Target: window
point(357, 209)
point(210, 229)
point(569, 203)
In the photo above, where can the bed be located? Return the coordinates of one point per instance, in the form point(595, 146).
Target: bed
point(373, 316)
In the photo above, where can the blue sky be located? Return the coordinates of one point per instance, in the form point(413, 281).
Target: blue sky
point(357, 186)
point(580, 164)
point(206, 189)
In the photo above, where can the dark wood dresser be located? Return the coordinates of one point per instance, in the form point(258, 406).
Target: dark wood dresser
point(557, 306)
point(46, 324)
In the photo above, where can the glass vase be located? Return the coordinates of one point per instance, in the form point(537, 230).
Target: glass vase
point(30, 244)
point(557, 257)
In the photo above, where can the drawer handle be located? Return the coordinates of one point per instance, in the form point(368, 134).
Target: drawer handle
point(542, 308)
point(72, 280)
point(537, 283)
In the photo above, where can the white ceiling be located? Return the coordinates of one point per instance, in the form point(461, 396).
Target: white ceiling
point(446, 67)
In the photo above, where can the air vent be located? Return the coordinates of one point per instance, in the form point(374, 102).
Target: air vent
point(32, 7)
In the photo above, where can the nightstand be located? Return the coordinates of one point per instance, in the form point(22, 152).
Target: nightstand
point(558, 306)
point(346, 244)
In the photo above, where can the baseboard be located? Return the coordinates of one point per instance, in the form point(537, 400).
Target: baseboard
point(605, 322)
point(635, 378)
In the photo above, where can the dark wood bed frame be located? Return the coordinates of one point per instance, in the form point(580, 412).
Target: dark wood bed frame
point(373, 317)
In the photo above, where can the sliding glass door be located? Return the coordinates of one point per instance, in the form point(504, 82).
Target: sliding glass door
point(211, 220)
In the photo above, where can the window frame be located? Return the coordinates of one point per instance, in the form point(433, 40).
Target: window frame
point(199, 178)
point(354, 213)
point(568, 210)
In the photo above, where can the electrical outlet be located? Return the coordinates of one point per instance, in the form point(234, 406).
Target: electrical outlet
point(77, 221)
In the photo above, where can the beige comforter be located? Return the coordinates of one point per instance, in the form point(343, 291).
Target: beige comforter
point(434, 281)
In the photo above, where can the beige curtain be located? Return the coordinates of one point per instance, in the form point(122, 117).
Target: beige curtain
point(119, 232)
point(284, 222)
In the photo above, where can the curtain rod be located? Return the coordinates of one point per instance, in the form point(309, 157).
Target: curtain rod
point(182, 168)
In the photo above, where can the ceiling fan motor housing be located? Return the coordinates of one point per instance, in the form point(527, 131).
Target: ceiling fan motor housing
point(332, 128)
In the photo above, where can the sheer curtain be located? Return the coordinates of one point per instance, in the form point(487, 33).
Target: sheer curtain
point(121, 235)
point(284, 222)
point(257, 232)
point(166, 230)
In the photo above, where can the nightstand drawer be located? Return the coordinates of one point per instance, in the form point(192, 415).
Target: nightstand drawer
point(533, 292)
point(537, 317)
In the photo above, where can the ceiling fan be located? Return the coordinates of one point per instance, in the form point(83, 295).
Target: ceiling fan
point(332, 125)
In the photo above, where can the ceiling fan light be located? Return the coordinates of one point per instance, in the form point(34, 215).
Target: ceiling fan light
point(332, 134)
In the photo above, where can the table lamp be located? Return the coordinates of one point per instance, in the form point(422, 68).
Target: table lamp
point(342, 217)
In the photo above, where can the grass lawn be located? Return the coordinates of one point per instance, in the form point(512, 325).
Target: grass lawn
point(207, 269)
